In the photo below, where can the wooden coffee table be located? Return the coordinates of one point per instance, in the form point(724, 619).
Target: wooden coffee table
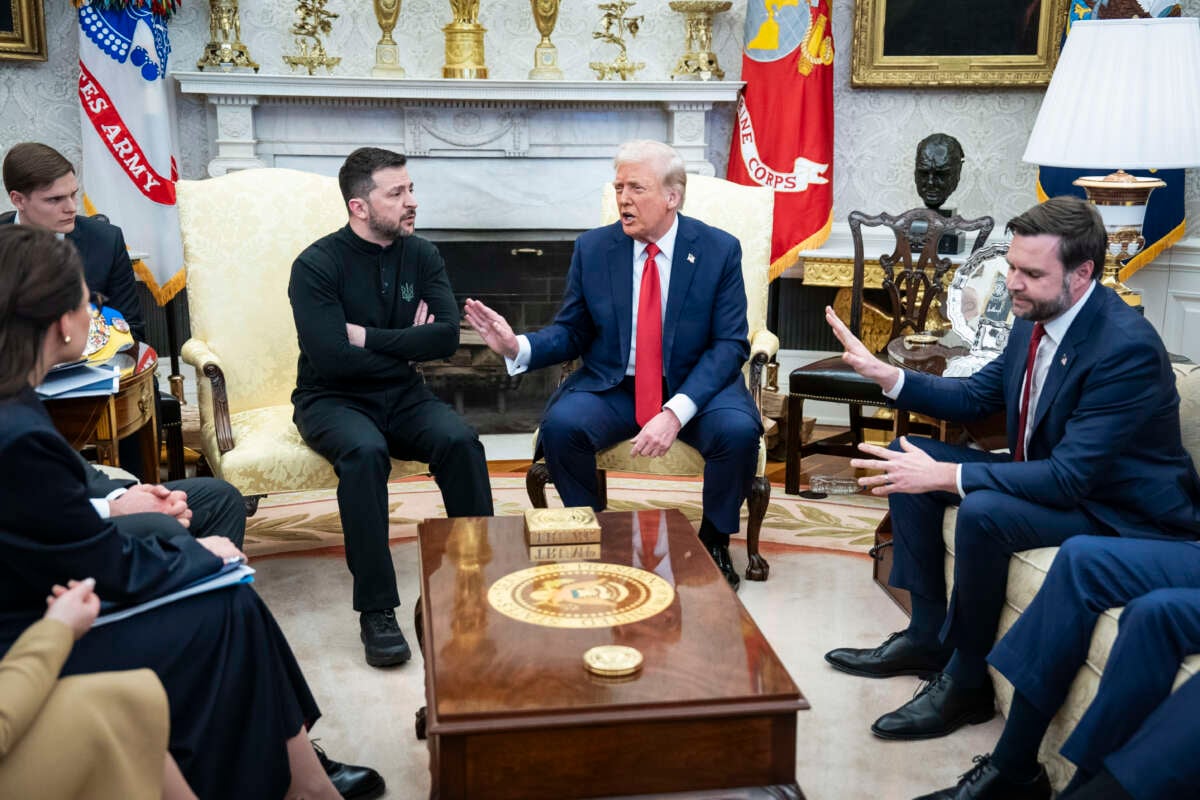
point(513, 714)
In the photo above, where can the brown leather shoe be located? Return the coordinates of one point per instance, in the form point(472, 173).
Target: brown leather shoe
point(898, 655)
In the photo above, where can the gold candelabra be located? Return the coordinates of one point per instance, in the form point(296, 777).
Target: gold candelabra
point(464, 42)
point(614, 25)
point(387, 52)
point(225, 49)
point(699, 62)
point(545, 55)
point(314, 21)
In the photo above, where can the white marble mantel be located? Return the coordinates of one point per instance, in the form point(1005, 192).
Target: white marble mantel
point(487, 154)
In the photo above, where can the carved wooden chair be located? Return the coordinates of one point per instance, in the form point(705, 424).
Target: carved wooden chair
point(911, 281)
point(746, 212)
point(241, 233)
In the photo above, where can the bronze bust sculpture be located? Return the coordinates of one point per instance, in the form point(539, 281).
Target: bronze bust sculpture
point(938, 165)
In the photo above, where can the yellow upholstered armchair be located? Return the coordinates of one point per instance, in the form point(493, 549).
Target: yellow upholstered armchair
point(241, 233)
point(746, 212)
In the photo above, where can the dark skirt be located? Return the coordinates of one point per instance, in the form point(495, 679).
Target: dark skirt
point(236, 692)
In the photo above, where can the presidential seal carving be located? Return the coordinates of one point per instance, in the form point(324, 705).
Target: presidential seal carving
point(577, 594)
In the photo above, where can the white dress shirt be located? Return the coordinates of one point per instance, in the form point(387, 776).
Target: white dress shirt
point(682, 405)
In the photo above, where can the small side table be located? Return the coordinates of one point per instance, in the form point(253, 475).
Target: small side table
point(106, 419)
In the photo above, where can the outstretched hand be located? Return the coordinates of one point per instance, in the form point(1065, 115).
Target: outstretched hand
point(909, 470)
point(493, 328)
point(858, 357)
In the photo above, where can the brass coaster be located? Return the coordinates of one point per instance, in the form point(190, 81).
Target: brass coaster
point(915, 339)
point(612, 660)
point(578, 594)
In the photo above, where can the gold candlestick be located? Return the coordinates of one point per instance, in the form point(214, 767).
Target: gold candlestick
point(464, 42)
point(387, 52)
point(699, 62)
point(613, 27)
point(545, 55)
point(225, 49)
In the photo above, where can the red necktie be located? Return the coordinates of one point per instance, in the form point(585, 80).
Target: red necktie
point(648, 365)
point(1039, 330)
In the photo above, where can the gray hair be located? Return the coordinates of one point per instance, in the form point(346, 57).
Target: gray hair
point(672, 170)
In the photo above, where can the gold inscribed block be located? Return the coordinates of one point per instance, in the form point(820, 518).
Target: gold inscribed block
point(564, 552)
point(577, 525)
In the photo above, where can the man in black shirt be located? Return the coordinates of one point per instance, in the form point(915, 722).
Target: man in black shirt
point(370, 301)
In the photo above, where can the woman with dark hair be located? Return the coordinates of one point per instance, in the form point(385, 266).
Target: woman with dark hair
point(239, 705)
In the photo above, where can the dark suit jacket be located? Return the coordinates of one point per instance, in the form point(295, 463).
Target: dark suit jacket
point(50, 533)
point(106, 267)
point(1105, 435)
point(704, 330)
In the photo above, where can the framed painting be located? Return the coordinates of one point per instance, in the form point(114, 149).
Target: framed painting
point(935, 43)
point(22, 30)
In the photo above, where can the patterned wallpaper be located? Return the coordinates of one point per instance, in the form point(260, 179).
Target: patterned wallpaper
point(876, 129)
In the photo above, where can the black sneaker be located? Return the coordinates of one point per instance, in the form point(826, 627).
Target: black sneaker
point(351, 782)
point(380, 633)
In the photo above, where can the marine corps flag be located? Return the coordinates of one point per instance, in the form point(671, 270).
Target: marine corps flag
point(1164, 224)
point(783, 137)
point(128, 153)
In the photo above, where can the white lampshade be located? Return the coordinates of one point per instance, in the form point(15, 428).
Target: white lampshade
point(1125, 94)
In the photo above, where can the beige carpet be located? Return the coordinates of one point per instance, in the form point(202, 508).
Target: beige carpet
point(815, 600)
point(298, 521)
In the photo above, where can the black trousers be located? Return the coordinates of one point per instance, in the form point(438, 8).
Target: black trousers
point(358, 433)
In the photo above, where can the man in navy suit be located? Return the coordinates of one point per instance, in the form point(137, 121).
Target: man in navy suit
point(1095, 448)
point(1136, 739)
point(662, 348)
point(41, 185)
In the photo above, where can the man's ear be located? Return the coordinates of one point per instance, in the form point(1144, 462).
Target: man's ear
point(17, 199)
point(673, 200)
point(357, 207)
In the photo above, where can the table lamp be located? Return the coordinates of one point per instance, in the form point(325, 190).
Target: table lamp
point(1124, 95)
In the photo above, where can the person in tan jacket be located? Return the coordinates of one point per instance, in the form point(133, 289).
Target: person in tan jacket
point(102, 735)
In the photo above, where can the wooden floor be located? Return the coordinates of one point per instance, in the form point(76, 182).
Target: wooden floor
point(813, 465)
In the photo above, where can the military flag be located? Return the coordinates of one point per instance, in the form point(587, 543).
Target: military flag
point(783, 136)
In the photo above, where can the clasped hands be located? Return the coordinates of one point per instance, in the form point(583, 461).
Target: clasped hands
point(655, 437)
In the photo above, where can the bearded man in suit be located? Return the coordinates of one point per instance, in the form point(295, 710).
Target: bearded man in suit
point(1095, 449)
point(656, 308)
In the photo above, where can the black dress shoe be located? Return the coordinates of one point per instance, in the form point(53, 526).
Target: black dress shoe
point(383, 641)
point(358, 783)
point(898, 655)
point(984, 782)
point(720, 556)
point(939, 708)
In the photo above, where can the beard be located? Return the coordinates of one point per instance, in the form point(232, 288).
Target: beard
point(385, 228)
point(1042, 310)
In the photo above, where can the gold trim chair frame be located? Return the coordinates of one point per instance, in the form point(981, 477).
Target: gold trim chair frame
point(241, 232)
point(745, 212)
point(911, 283)
point(870, 67)
point(26, 39)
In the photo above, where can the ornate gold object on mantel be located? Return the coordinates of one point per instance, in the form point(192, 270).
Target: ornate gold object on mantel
point(314, 21)
point(464, 42)
point(545, 55)
point(699, 62)
point(225, 49)
point(387, 52)
point(613, 27)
